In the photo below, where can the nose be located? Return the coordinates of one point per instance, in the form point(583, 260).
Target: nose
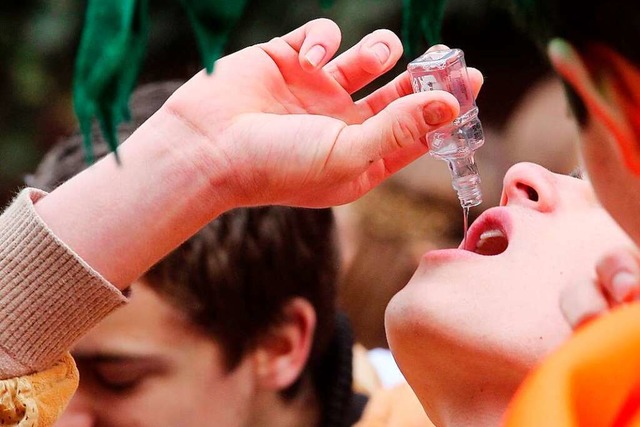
point(531, 186)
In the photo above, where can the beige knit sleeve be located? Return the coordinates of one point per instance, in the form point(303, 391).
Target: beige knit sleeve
point(49, 297)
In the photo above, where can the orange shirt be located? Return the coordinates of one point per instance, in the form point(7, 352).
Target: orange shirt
point(592, 380)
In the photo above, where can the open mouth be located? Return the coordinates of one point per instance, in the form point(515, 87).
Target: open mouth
point(488, 235)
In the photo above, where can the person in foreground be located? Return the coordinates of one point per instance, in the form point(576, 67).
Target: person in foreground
point(474, 321)
point(274, 124)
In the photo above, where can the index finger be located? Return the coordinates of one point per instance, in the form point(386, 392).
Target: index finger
point(314, 43)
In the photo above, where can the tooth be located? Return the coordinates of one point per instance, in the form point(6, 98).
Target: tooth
point(489, 234)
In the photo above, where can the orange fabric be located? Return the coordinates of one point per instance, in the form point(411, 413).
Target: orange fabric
point(593, 380)
point(38, 399)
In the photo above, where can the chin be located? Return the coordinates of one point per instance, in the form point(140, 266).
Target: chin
point(449, 363)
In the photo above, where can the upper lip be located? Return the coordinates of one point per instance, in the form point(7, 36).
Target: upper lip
point(496, 218)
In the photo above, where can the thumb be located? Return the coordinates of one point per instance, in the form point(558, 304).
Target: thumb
point(619, 275)
point(582, 302)
point(399, 126)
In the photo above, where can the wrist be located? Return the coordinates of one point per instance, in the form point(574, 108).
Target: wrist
point(189, 163)
point(121, 219)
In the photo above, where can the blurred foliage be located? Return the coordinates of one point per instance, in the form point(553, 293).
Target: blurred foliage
point(38, 41)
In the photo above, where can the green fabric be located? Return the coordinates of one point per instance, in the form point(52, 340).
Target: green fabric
point(112, 51)
point(212, 21)
point(110, 55)
point(422, 20)
point(537, 18)
point(326, 4)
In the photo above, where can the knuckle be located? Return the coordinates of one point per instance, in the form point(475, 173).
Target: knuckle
point(404, 132)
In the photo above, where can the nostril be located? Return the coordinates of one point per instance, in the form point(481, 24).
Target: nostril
point(532, 194)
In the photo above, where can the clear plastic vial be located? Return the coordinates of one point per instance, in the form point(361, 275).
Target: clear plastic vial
point(457, 142)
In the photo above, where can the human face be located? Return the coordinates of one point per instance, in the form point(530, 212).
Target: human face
point(146, 365)
point(471, 323)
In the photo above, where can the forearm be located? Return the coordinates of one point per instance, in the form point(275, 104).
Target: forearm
point(122, 219)
point(60, 252)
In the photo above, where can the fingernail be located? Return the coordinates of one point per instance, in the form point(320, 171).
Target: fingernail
point(315, 55)
point(436, 113)
point(381, 51)
point(437, 47)
point(624, 286)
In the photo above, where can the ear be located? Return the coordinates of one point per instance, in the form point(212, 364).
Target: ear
point(609, 88)
point(282, 354)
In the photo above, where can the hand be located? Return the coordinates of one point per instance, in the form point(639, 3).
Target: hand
point(274, 124)
point(281, 120)
point(617, 282)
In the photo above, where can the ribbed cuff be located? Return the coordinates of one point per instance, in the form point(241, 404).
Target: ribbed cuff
point(49, 297)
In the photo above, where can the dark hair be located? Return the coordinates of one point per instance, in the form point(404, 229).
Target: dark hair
point(615, 23)
point(234, 277)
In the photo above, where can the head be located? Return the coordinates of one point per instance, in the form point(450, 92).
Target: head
point(229, 326)
point(592, 47)
point(471, 323)
point(233, 328)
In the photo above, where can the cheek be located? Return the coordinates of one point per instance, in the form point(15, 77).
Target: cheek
point(193, 398)
point(164, 401)
point(224, 398)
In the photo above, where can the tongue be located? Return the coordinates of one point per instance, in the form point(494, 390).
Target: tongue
point(491, 243)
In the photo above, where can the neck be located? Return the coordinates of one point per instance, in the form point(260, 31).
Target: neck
point(478, 405)
point(301, 410)
point(457, 395)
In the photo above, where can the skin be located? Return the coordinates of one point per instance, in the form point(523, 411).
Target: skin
point(468, 327)
point(147, 365)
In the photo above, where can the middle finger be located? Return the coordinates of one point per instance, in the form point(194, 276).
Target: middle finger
point(373, 56)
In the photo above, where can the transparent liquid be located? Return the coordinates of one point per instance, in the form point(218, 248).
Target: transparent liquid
point(460, 139)
point(465, 216)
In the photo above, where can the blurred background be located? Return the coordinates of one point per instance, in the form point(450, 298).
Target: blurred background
point(521, 107)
